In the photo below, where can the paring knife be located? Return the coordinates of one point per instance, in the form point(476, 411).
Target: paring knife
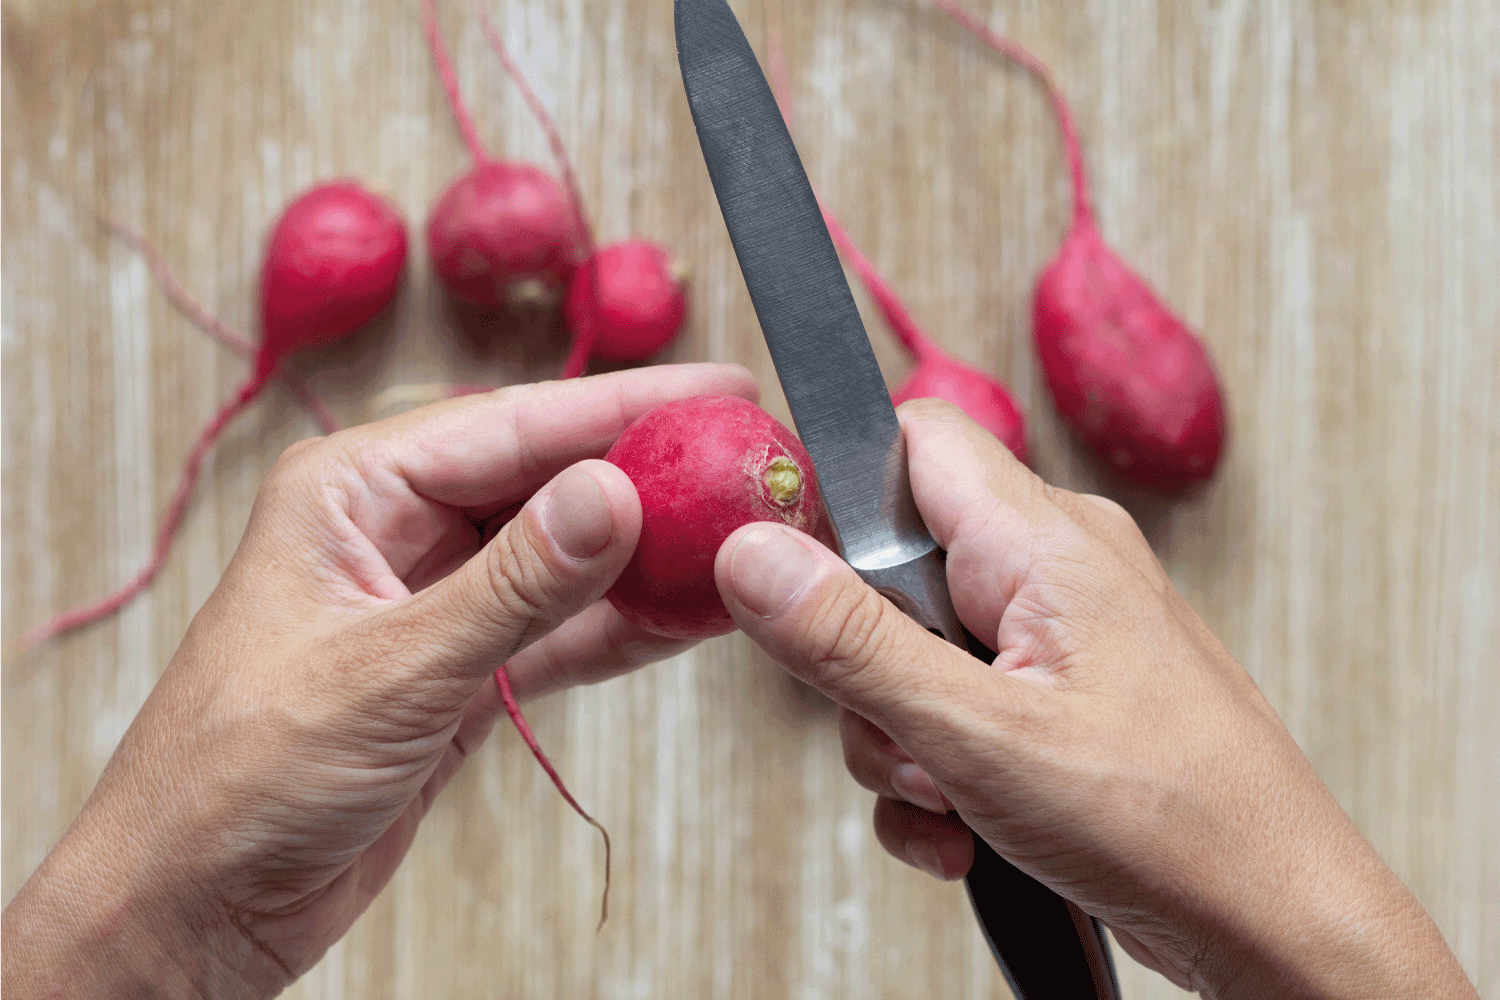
point(1046, 946)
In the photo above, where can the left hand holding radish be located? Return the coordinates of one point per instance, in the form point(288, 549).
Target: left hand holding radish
point(336, 679)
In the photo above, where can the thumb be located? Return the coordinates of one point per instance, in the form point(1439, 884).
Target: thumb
point(549, 562)
point(813, 614)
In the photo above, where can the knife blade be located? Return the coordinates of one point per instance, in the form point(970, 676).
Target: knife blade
point(1045, 946)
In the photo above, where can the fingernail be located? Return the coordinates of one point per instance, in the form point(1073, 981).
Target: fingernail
point(769, 567)
point(912, 784)
point(577, 515)
point(925, 857)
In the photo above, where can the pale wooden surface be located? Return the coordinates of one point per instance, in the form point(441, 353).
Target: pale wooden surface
point(1313, 184)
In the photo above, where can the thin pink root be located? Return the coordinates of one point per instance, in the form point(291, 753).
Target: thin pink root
point(198, 314)
point(1014, 52)
point(578, 353)
point(514, 710)
point(544, 119)
point(891, 306)
point(70, 620)
point(450, 82)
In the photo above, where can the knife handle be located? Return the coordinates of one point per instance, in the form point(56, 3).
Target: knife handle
point(1045, 946)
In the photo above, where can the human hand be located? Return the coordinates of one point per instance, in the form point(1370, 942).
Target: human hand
point(1115, 750)
point(335, 680)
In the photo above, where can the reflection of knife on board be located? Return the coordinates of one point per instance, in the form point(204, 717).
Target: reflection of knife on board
point(1046, 946)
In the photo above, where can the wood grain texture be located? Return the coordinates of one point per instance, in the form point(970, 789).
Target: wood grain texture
point(1314, 184)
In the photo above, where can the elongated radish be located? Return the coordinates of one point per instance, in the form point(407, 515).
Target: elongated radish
point(502, 233)
point(626, 300)
point(333, 262)
point(703, 467)
point(984, 399)
point(1129, 376)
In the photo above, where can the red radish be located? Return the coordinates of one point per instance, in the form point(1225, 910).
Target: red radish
point(626, 301)
point(1126, 373)
point(502, 234)
point(703, 467)
point(333, 262)
point(199, 316)
point(936, 375)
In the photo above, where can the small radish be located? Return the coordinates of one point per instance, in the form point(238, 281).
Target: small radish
point(627, 300)
point(333, 262)
point(703, 467)
point(1126, 373)
point(502, 233)
point(985, 400)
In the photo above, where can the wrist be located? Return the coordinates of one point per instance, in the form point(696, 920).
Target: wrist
point(1344, 926)
point(86, 925)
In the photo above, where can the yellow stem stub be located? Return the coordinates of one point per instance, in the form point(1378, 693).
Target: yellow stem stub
point(783, 481)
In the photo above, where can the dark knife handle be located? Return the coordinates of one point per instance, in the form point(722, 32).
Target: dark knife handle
point(1045, 946)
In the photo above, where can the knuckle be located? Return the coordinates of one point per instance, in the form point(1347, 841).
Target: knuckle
point(851, 632)
point(1110, 511)
point(294, 461)
point(521, 584)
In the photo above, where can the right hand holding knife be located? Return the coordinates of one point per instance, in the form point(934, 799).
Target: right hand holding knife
point(1115, 751)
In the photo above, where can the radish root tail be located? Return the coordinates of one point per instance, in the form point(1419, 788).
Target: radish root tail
point(1082, 209)
point(896, 315)
point(513, 709)
point(70, 620)
point(445, 72)
point(544, 119)
point(197, 314)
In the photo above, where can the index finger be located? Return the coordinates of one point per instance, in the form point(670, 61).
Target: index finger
point(499, 447)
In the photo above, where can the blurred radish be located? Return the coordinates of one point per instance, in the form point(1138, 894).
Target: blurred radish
point(198, 314)
point(626, 300)
point(333, 262)
point(1126, 373)
point(502, 233)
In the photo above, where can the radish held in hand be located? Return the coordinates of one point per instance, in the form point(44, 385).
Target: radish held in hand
point(333, 262)
point(704, 467)
point(501, 234)
point(1126, 373)
point(626, 300)
point(986, 401)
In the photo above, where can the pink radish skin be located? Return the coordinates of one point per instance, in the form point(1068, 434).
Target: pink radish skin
point(986, 401)
point(333, 262)
point(704, 467)
point(1129, 376)
point(626, 301)
point(502, 234)
point(1126, 374)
